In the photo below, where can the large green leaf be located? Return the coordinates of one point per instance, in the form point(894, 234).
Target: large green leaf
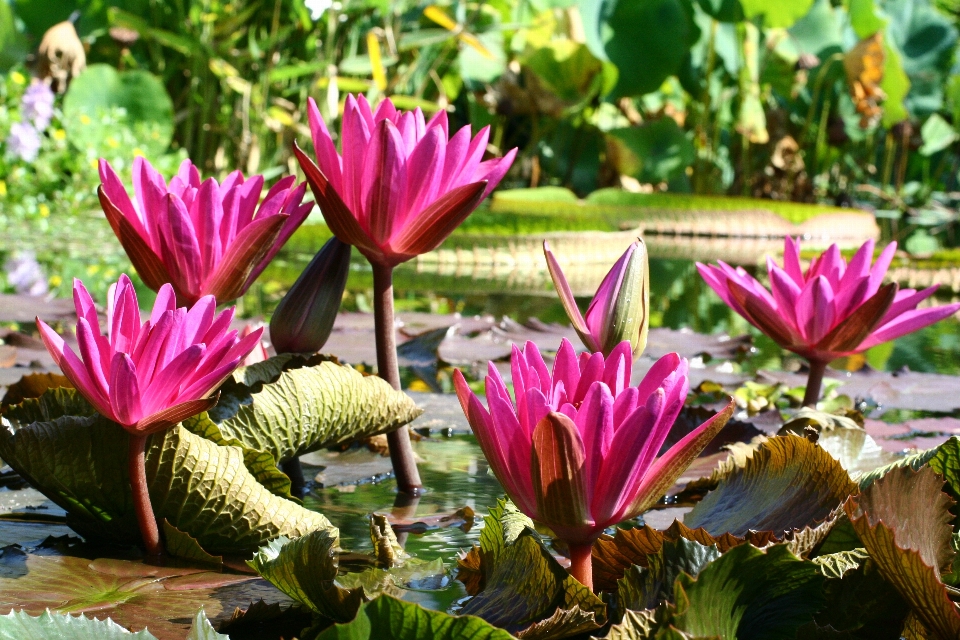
point(288, 406)
point(903, 520)
point(132, 594)
point(646, 588)
point(201, 488)
point(782, 13)
point(501, 527)
point(656, 151)
point(748, 594)
point(657, 32)
point(306, 570)
point(789, 483)
point(387, 617)
point(146, 107)
point(569, 70)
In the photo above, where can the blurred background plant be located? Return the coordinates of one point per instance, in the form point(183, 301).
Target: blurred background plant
point(852, 102)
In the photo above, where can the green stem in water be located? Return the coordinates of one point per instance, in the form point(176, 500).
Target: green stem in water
point(136, 458)
point(401, 452)
point(581, 563)
point(814, 382)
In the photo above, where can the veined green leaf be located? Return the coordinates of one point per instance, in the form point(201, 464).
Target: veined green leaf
point(18, 625)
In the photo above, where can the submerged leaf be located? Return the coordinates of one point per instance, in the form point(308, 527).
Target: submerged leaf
point(132, 594)
point(80, 463)
point(19, 625)
point(387, 617)
point(789, 483)
point(290, 405)
point(904, 520)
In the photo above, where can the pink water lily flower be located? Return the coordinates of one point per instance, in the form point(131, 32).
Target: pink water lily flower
point(204, 238)
point(400, 185)
point(577, 449)
point(833, 309)
point(149, 375)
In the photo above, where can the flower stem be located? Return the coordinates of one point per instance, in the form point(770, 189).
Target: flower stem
point(137, 455)
point(581, 563)
point(401, 453)
point(814, 381)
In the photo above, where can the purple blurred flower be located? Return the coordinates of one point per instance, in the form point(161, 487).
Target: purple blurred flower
point(25, 274)
point(37, 104)
point(23, 141)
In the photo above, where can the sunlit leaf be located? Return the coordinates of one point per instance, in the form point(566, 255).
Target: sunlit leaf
point(19, 625)
point(789, 483)
point(904, 520)
point(646, 588)
point(80, 463)
point(388, 617)
point(836, 565)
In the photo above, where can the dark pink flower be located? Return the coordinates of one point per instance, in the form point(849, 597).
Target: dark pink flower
point(578, 449)
point(834, 309)
point(148, 376)
point(400, 185)
point(204, 238)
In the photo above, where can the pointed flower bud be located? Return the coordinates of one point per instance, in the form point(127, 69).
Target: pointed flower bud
point(620, 310)
point(304, 318)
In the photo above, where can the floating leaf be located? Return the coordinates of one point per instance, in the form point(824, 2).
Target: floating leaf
point(788, 484)
point(289, 405)
point(306, 570)
point(80, 463)
point(132, 594)
point(647, 588)
point(18, 625)
point(904, 520)
point(388, 617)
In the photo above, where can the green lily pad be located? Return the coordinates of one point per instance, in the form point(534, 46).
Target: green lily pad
point(80, 464)
point(290, 405)
point(646, 588)
point(501, 527)
point(903, 520)
point(133, 595)
point(388, 617)
point(789, 483)
point(18, 625)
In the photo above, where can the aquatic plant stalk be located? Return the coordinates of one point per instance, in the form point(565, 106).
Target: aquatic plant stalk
point(814, 382)
point(401, 452)
point(136, 464)
point(581, 563)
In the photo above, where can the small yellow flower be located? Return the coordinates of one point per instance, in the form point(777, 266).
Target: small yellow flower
point(112, 142)
point(18, 77)
point(137, 151)
point(59, 134)
point(85, 119)
point(3, 188)
point(44, 210)
point(93, 269)
point(55, 281)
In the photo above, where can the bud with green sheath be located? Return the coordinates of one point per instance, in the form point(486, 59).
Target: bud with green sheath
point(304, 318)
point(620, 310)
